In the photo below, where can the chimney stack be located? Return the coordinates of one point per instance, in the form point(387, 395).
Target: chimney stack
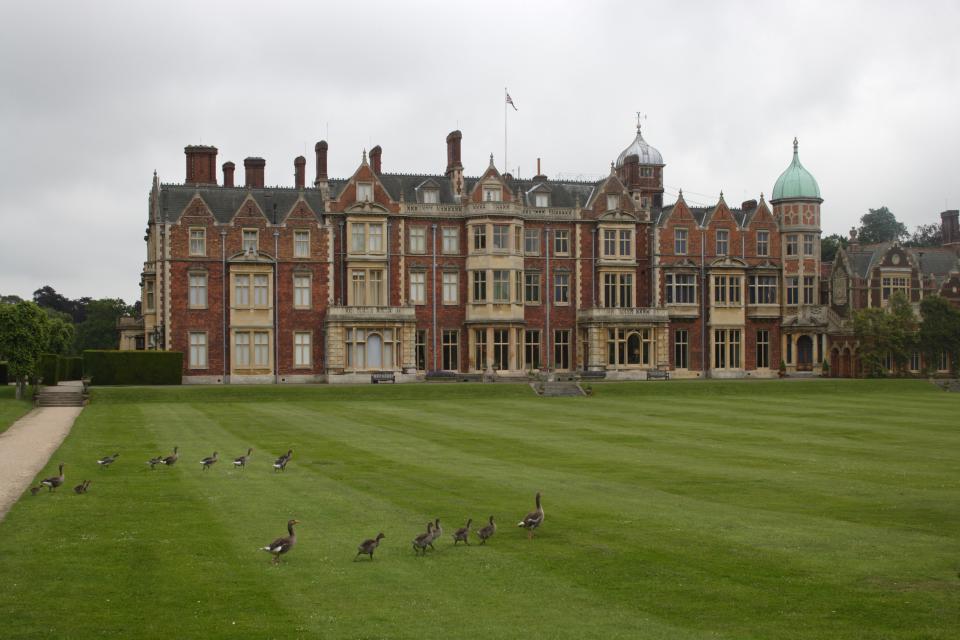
point(201, 164)
point(228, 168)
point(375, 155)
point(453, 152)
point(539, 177)
point(299, 171)
point(631, 170)
point(950, 227)
point(321, 149)
point(253, 168)
point(748, 206)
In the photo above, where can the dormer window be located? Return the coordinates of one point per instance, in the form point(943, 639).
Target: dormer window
point(613, 201)
point(431, 196)
point(250, 243)
point(492, 194)
point(364, 192)
point(542, 200)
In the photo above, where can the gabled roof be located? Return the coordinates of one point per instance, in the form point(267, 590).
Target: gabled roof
point(938, 261)
point(224, 202)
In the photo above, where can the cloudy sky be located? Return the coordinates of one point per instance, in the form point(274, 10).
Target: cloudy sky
point(97, 95)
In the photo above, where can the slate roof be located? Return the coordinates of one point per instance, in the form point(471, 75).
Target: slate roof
point(225, 201)
point(938, 261)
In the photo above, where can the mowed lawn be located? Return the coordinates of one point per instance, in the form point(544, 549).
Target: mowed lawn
point(11, 409)
point(780, 509)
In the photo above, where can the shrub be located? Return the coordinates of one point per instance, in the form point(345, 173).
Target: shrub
point(71, 367)
point(50, 368)
point(133, 367)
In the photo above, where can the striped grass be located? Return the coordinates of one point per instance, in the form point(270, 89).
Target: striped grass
point(780, 509)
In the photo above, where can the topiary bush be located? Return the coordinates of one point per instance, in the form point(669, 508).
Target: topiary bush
point(50, 369)
point(133, 367)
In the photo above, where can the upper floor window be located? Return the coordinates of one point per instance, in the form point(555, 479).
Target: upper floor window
point(148, 295)
point(366, 287)
point(681, 288)
point(417, 240)
point(501, 237)
point(763, 289)
point(531, 241)
point(301, 291)
point(250, 240)
point(479, 237)
point(726, 291)
point(561, 288)
point(609, 242)
point(763, 242)
point(617, 290)
point(198, 242)
point(723, 242)
point(492, 194)
point(808, 242)
point(253, 288)
point(479, 286)
point(198, 290)
point(531, 287)
point(542, 199)
point(613, 201)
point(618, 243)
point(893, 284)
point(301, 244)
point(808, 289)
point(417, 287)
point(364, 192)
point(366, 237)
point(431, 196)
point(646, 172)
point(680, 242)
point(451, 240)
point(451, 287)
point(793, 290)
point(791, 244)
point(561, 242)
point(501, 286)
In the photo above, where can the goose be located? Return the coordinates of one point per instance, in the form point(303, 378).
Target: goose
point(171, 459)
point(35, 490)
point(206, 463)
point(421, 541)
point(154, 461)
point(82, 487)
point(54, 481)
point(282, 545)
point(242, 460)
point(367, 547)
point(281, 462)
point(106, 461)
point(437, 532)
point(487, 532)
point(461, 534)
point(533, 519)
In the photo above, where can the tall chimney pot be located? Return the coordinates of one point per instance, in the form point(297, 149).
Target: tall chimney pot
point(321, 150)
point(254, 168)
point(228, 168)
point(201, 164)
point(299, 171)
point(453, 151)
point(375, 154)
point(950, 227)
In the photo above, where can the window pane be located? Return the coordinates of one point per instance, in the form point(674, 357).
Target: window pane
point(301, 244)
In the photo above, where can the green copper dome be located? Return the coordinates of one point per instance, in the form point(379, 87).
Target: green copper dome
point(795, 182)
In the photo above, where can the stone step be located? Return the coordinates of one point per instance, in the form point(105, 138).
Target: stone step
point(559, 390)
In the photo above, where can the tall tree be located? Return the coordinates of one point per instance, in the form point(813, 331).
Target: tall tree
point(830, 245)
point(939, 331)
point(10, 299)
point(885, 332)
point(99, 329)
point(880, 225)
point(926, 235)
point(23, 337)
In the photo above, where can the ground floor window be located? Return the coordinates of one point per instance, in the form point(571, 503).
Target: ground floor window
point(886, 361)
point(626, 347)
point(681, 349)
point(251, 349)
point(302, 351)
point(501, 349)
point(531, 348)
point(726, 348)
point(372, 348)
point(451, 349)
point(480, 348)
point(915, 361)
point(763, 349)
point(198, 350)
point(943, 362)
point(561, 348)
point(421, 350)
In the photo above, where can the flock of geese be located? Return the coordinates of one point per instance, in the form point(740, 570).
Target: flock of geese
point(283, 545)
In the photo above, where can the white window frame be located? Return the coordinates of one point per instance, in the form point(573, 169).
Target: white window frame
point(492, 193)
point(681, 237)
point(417, 239)
point(301, 243)
point(198, 350)
point(561, 242)
point(302, 349)
point(431, 196)
point(763, 242)
point(561, 288)
point(418, 287)
point(251, 239)
point(451, 287)
point(451, 240)
point(198, 241)
point(723, 242)
point(542, 200)
point(364, 192)
point(531, 242)
point(613, 201)
point(198, 281)
point(302, 290)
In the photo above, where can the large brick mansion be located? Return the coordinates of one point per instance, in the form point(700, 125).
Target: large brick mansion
point(422, 274)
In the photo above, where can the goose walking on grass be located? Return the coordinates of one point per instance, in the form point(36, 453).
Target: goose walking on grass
point(533, 519)
point(82, 487)
point(367, 547)
point(421, 541)
point(242, 460)
point(487, 531)
point(437, 532)
point(209, 461)
point(171, 459)
point(35, 490)
point(281, 463)
point(154, 461)
point(461, 534)
point(106, 461)
point(282, 545)
point(53, 482)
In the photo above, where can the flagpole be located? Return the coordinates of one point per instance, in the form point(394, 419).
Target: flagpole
point(505, 128)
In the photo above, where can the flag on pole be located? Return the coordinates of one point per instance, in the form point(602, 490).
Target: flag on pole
point(510, 102)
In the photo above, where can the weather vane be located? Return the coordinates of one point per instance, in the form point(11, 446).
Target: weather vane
point(640, 116)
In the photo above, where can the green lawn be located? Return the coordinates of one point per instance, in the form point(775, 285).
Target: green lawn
point(10, 408)
point(780, 509)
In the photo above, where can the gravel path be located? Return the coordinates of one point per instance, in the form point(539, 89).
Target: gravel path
point(27, 446)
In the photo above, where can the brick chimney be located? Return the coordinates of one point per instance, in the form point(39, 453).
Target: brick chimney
point(299, 171)
point(950, 227)
point(253, 168)
point(201, 164)
point(539, 177)
point(375, 154)
point(228, 168)
point(321, 149)
point(748, 207)
point(631, 170)
point(453, 152)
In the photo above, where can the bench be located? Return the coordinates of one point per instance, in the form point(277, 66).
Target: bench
point(658, 374)
point(382, 376)
point(593, 375)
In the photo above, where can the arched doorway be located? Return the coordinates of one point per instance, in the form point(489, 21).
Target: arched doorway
point(804, 353)
point(846, 370)
point(835, 363)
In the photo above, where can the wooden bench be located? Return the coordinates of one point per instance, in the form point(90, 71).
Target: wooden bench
point(382, 376)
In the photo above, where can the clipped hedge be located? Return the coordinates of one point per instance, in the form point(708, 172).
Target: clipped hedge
point(133, 367)
point(50, 369)
point(71, 367)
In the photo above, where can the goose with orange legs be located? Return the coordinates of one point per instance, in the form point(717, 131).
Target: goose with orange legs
point(282, 545)
point(532, 520)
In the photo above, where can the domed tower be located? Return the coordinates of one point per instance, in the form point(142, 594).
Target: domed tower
point(796, 206)
point(640, 167)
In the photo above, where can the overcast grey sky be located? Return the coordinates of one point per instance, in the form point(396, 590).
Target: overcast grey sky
point(97, 95)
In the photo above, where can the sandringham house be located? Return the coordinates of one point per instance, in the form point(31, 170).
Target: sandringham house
point(421, 276)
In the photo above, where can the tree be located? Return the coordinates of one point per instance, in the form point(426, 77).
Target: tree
point(880, 225)
point(939, 330)
point(10, 299)
point(926, 235)
point(99, 329)
point(23, 337)
point(830, 245)
point(885, 332)
point(60, 336)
